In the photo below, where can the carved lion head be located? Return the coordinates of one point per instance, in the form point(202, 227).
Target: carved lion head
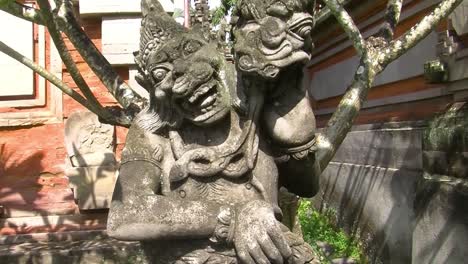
point(272, 34)
point(185, 75)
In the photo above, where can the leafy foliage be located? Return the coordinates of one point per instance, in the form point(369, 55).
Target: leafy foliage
point(317, 227)
point(222, 10)
point(178, 13)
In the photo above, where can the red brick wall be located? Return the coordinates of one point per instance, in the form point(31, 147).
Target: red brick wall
point(32, 159)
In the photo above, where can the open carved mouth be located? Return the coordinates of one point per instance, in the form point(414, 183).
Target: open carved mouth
point(291, 50)
point(203, 102)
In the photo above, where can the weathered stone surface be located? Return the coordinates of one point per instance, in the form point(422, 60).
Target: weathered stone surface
point(374, 203)
point(84, 135)
point(445, 143)
point(446, 163)
point(86, 248)
point(93, 186)
point(104, 158)
point(198, 181)
point(326, 248)
point(441, 228)
point(448, 132)
point(389, 148)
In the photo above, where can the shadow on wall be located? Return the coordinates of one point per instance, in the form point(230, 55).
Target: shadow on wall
point(372, 184)
point(33, 200)
point(40, 202)
point(441, 232)
point(40, 207)
point(93, 185)
point(26, 194)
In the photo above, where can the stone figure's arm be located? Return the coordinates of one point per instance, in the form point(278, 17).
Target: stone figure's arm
point(137, 210)
point(300, 176)
point(290, 122)
point(289, 119)
point(139, 214)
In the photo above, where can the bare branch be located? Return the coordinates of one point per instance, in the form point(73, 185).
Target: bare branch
point(392, 17)
point(325, 13)
point(342, 120)
point(347, 24)
point(377, 56)
point(67, 23)
point(44, 73)
point(22, 11)
point(419, 31)
point(70, 64)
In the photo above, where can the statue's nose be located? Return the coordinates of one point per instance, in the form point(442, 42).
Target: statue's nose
point(180, 68)
point(188, 77)
point(201, 71)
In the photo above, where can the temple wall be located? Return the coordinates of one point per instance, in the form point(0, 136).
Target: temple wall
point(377, 184)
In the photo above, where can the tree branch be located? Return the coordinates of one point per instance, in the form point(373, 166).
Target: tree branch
point(325, 13)
point(71, 66)
point(129, 100)
point(44, 73)
point(419, 31)
point(22, 11)
point(377, 55)
point(392, 17)
point(342, 120)
point(347, 24)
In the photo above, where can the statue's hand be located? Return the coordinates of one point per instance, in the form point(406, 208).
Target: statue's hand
point(258, 237)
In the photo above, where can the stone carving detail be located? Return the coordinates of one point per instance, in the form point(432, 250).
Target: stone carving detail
point(204, 161)
point(88, 141)
point(91, 167)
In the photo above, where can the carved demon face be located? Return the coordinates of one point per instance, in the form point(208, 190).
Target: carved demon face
point(272, 34)
point(189, 72)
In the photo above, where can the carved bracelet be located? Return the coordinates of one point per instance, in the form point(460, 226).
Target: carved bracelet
point(297, 153)
point(224, 230)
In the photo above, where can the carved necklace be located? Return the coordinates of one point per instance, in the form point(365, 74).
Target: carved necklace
point(233, 158)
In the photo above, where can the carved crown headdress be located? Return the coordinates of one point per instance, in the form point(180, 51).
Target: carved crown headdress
point(156, 28)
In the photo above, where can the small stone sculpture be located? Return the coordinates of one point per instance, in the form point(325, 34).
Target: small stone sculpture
point(203, 162)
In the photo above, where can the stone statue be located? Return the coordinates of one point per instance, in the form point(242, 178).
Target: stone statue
point(203, 162)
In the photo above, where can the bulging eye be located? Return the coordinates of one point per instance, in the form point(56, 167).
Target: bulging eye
point(159, 74)
point(304, 31)
point(301, 24)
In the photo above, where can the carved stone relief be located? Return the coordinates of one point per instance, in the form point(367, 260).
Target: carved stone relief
point(203, 162)
point(91, 167)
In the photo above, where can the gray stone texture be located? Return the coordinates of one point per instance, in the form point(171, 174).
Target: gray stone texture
point(92, 165)
point(374, 203)
point(93, 186)
point(198, 180)
point(389, 148)
point(86, 137)
point(401, 188)
point(440, 232)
